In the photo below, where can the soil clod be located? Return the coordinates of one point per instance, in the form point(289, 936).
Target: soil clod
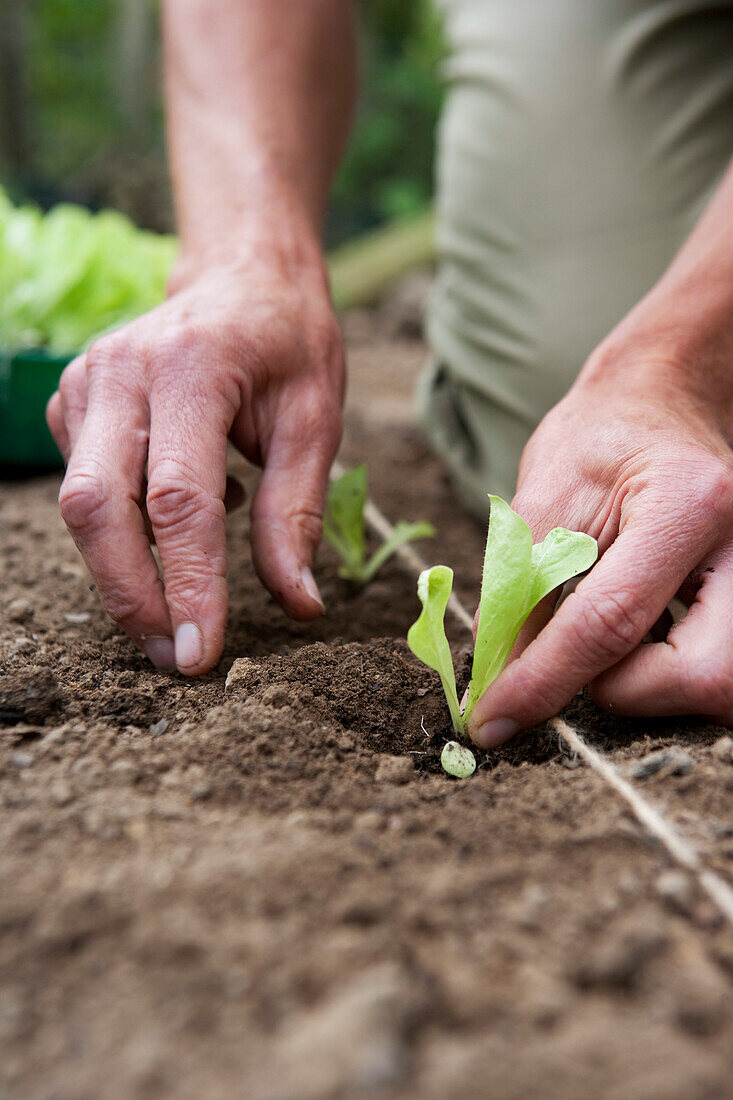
point(32, 693)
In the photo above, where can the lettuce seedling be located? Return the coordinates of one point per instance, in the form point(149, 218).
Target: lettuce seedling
point(516, 576)
point(343, 528)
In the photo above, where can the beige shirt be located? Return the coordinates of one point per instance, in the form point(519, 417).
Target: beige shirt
point(579, 143)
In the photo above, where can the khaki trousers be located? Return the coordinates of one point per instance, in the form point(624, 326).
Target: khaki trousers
point(579, 143)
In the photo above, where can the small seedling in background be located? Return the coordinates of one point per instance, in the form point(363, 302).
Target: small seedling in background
point(516, 576)
point(343, 528)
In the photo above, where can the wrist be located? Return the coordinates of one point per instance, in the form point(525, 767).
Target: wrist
point(272, 228)
point(677, 342)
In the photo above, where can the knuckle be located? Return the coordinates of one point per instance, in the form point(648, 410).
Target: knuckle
point(53, 409)
point(709, 684)
point(716, 492)
point(125, 607)
point(179, 342)
point(109, 352)
point(188, 583)
point(319, 414)
point(71, 381)
point(174, 500)
point(607, 625)
point(310, 522)
point(326, 348)
point(82, 500)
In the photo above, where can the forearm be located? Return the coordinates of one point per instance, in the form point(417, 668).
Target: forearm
point(259, 97)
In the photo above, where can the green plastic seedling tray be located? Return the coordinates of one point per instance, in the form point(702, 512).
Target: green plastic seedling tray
point(27, 380)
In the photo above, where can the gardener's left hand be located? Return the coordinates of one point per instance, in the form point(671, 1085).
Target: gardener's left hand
point(637, 455)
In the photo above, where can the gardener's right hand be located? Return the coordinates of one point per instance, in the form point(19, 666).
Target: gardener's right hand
point(246, 350)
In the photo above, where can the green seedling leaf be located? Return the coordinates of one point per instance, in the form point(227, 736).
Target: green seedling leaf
point(505, 588)
point(403, 532)
point(562, 554)
point(457, 760)
point(343, 523)
point(516, 576)
point(343, 528)
point(426, 637)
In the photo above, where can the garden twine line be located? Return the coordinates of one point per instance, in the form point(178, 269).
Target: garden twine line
point(680, 850)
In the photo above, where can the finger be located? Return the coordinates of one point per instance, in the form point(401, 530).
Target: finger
point(57, 426)
point(99, 502)
point(690, 673)
point(73, 391)
point(234, 496)
point(595, 627)
point(185, 503)
point(287, 511)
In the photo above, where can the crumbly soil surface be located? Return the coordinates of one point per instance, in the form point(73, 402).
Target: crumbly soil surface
point(272, 892)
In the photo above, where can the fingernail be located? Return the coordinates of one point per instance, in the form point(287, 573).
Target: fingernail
point(309, 584)
point(189, 645)
point(494, 733)
point(160, 652)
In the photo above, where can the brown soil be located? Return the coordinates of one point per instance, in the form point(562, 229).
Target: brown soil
point(272, 892)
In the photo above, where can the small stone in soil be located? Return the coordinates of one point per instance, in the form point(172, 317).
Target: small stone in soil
point(21, 759)
point(682, 764)
point(158, 728)
point(61, 793)
point(77, 618)
point(19, 611)
point(676, 889)
point(241, 675)
point(722, 750)
point(664, 760)
point(72, 570)
point(394, 769)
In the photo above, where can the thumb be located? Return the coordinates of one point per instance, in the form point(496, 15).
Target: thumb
point(287, 514)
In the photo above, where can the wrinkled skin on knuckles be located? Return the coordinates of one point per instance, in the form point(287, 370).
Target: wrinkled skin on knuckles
point(249, 355)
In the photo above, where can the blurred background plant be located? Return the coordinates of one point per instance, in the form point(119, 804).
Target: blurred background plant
point(81, 118)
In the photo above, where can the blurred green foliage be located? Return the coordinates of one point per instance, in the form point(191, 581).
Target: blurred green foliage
point(88, 116)
point(68, 83)
point(388, 169)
